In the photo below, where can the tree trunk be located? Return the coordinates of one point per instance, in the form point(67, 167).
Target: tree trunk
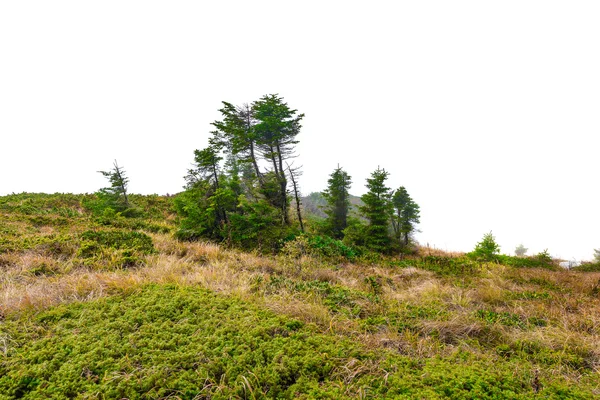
point(282, 187)
point(297, 198)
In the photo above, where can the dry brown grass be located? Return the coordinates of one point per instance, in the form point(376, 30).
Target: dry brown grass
point(430, 251)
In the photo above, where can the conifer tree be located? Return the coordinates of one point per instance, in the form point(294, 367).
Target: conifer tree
point(405, 215)
point(115, 196)
point(338, 201)
point(376, 210)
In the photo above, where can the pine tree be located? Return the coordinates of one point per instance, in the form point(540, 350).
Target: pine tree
point(338, 201)
point(376, 210)
point(405, 215)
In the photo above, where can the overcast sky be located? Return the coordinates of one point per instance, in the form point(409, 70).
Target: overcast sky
point(487, 112)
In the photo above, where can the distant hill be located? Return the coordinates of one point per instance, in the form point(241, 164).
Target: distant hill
point(314, 204)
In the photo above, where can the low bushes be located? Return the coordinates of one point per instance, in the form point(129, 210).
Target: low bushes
point(109, 249)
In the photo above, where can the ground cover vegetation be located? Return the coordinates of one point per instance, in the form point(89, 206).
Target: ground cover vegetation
point(318, 320)
point(234, 289)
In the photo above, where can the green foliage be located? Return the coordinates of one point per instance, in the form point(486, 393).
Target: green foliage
point(257, 225)
point(158, 341)
point(487, 249)
point(62, 204)
point(588, 267)
point(154, 342)
point(241, 205)
point(510, 319)
point(330, 247)
point(137, 341)
point(540, 260)
point(52, 223)
point(204, 211)
point(318, 246)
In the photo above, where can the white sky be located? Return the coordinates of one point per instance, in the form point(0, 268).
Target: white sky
point(487, 112)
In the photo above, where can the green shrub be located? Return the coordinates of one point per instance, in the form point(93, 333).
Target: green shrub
point(329, 247)
point(541, 260)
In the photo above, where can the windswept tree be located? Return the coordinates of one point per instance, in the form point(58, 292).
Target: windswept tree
point(277, 126)
point(239, 183)
point(115, 196)
point(597, 255)
point(405, 215)
point(338, 201)
point(376, 210)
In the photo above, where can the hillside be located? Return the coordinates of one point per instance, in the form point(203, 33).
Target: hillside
point(103, 306)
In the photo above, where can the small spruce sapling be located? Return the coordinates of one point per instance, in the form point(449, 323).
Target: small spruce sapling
point(115, 196)
point(487, 249)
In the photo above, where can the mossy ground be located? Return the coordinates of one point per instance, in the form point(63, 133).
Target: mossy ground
point(127, 311)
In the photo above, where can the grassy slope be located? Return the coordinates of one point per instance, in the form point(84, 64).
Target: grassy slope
point(193, 319)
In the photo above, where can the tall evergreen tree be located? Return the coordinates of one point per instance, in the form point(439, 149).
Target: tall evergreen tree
point(338, 201)
point(115, 196)
point(376, 210)
point(405, 215)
